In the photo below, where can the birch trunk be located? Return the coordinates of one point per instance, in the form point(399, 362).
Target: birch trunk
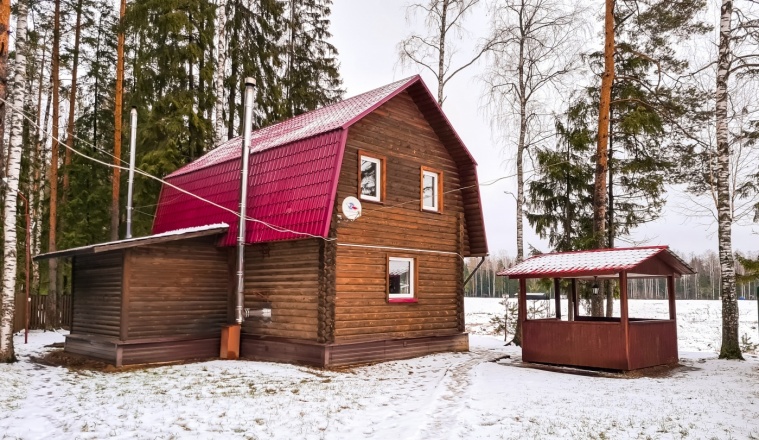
point(5, 18)
point(10, 260)
point(221, 64)
point(730, 346)
point(520, 174)
point(441, 54)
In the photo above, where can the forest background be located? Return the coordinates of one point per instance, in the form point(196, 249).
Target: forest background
point(75, 68)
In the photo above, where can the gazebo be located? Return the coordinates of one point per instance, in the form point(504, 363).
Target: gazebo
point(618, 343)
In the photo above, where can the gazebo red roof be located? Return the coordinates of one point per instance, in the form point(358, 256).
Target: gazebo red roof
point(294, 169)
point(638, 261)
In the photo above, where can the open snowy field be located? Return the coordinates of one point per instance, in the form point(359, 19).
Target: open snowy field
point(480, 394)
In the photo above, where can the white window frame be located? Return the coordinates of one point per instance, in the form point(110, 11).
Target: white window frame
point(436, 197)
point(412, 278)
point(378, 163)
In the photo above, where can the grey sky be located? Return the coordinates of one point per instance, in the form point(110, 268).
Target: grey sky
point(366, 33)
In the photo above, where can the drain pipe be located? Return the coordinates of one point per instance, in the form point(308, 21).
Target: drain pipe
point(247, 127)
point(482, 260)
point(132, 148)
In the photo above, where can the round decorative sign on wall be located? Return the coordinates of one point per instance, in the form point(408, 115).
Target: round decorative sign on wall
point(351, 208)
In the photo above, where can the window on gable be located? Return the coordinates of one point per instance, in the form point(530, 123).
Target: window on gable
point(432, 190)
point(400, 278)
point(371, 175)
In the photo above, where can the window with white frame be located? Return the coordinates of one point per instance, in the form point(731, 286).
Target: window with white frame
point(400, 278)
point(370, 178)
point(431, 194)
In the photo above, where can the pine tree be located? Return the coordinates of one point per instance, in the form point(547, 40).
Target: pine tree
point(86, 212)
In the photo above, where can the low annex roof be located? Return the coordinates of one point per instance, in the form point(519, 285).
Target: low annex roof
point(294, 169)
point(650, 261)
point(180, 234)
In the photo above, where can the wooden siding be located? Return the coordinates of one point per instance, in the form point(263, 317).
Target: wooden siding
point(652, 342)
point(97, 296)
point(340, 355)
point(176, 288)
point(170, 351)
point(285, 277)
point(91, 346)
point(399, 132)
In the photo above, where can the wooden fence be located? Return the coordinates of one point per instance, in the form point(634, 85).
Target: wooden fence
point(38, 305)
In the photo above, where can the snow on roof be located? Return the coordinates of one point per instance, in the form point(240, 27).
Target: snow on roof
point(600, 261)
point(129, 242)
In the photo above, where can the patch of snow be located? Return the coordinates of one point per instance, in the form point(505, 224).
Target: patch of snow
point(479, 395)
point(147, 237)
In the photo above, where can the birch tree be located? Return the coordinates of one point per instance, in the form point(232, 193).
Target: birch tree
point(434, 50)
point(222, 18)
point(10, 260)
point(730, 61)
point(534, 48)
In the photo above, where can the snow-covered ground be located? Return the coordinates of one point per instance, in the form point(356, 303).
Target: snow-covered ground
point(472, 395)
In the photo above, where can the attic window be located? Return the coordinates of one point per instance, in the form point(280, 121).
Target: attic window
point(432, 190)
point(371, 172)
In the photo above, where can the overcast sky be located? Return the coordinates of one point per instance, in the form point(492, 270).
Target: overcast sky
point(366, 34)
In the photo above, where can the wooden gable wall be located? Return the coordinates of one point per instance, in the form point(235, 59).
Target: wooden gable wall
point(398, 132)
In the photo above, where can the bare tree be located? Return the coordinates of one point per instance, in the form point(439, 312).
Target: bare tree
point(742, 31)
point(434, 51)
point(10, 260)
point(221, 69)
point(533, 48)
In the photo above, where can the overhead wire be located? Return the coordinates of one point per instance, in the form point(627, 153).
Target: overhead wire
point(212, 203)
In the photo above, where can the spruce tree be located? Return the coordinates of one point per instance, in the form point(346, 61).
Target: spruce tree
point(311, 77)
point(254, 50)
point(172, 88)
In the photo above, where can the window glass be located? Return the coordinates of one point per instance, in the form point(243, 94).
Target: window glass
point(401, 277)
point(430, 191)
point(370, 178)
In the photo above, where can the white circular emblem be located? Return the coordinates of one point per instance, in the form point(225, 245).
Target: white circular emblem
point(351, 208)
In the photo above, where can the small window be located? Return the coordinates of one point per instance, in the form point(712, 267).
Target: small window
point(400, 278)
point(432, 190)
point(371, 175)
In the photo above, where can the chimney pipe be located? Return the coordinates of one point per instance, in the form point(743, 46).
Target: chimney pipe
point(247, 128)
point(132, 147)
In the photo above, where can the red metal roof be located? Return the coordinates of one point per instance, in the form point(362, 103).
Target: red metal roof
point(598, 262)
point(294, 169)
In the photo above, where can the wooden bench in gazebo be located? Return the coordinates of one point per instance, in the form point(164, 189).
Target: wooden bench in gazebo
point(621, 343)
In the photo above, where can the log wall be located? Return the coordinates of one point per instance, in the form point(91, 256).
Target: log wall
point(176, 288)
point(398, 132)
point(97, 302)
point(284, 277)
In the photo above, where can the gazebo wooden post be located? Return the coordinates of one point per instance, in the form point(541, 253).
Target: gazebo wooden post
point(624, 317)
point(557, 297)
point(671, 296)
point(522, 303)
point(575, 305)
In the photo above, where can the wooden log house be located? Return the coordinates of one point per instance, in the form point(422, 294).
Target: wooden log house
point(320, 289)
